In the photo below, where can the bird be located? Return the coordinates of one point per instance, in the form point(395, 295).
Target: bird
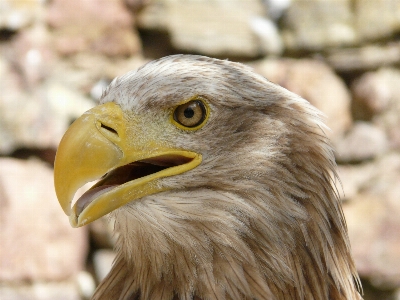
point(220, 185)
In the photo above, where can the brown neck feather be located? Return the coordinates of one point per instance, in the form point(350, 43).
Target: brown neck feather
point(279, 234)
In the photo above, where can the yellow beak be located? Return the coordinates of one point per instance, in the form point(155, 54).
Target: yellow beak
point(98, 145)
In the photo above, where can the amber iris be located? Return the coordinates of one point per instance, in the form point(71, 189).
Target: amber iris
point(190, 114)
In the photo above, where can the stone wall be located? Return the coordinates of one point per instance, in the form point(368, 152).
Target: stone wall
point(57, 56)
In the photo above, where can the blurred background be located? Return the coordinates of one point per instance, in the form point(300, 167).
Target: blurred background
point(57, 56)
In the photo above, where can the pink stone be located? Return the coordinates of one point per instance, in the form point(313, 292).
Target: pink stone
point(37, 241)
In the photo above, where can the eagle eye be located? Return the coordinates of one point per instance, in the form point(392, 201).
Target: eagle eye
point(191, 114)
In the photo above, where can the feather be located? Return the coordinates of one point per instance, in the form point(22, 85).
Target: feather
point(259, 218)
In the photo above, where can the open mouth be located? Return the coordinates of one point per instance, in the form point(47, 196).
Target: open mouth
point(129, 173)
point(103, 144)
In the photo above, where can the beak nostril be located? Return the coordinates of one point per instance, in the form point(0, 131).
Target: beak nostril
point(110, 129)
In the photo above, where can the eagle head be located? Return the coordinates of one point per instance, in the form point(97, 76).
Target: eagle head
point(220, 185)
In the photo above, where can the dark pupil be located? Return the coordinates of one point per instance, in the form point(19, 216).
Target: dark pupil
point(188, 113)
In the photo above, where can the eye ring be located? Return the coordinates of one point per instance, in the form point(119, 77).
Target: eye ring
point(191, 114)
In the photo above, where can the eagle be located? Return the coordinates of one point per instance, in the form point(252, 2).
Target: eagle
point(221, 185)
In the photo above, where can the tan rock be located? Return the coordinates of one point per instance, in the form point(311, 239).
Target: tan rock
point(37, 241)
point(338, 23)
point(80, 72)
point(216, 28)
point(353, 179)
point(371, 96)
point(40, 291)
point(31, 53)
point(103, 260)
point(317, 83)
point(364, 58)
point(86, 284)
point(35, 117)
point(377, 19)
point(136, 5)
point(374, 224)
point(93, 25)
point(375, 91)
point(364, 141)
point(315, 25)
point(17, 14)
point(377, 98)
